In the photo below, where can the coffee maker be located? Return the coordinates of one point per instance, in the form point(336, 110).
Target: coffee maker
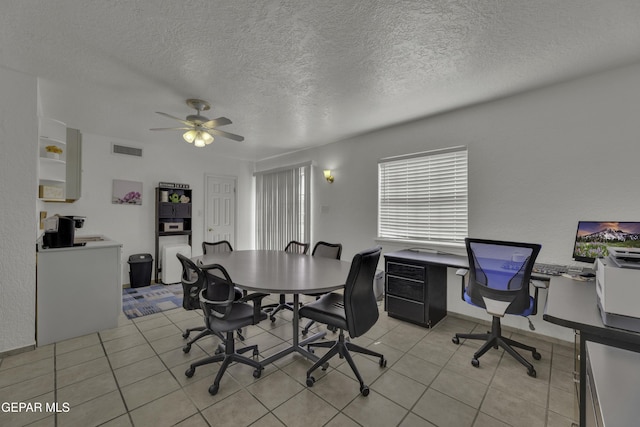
point(59, 231)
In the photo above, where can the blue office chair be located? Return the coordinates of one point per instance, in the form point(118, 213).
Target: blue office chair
point(499, 278)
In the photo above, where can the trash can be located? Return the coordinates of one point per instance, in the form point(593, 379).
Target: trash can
point(140, 270)
point(378, 285)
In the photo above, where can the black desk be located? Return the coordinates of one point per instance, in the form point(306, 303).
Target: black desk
point(572, 304)
point(416, 285)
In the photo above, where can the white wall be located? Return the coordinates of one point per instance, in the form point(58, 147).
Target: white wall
point(538, 163)
point(134, 226)
point(18, 188)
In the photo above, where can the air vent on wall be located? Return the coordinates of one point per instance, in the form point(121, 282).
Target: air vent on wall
point(123, 149)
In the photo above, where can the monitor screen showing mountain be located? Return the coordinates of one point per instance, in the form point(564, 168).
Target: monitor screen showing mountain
point(593, 238)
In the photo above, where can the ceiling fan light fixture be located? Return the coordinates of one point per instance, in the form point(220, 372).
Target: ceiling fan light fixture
point(202, 138)
point(199, 141)
point(190, 136)
point(199, 128)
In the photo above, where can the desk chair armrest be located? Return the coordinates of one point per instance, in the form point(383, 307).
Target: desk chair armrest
point(256, 299)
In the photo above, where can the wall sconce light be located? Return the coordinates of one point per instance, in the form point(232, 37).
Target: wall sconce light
point(328, 176)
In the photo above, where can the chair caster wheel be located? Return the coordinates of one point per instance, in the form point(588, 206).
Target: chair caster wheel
point(475, 362)
point(537, 355)
point(185, 335)
point(364, 390)
point(305, 331)
point(255, 352)
point(532, 373)
point(189, 372)
point(383, 362)
point(332, 329)
point(186, 348)
point(325, 366)
point(213, 390)
point(257, 373)
point(310, 381)
point(273, 319)
point(455, 340)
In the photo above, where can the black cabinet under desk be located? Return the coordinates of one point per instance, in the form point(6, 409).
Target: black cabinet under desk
point(416, 285)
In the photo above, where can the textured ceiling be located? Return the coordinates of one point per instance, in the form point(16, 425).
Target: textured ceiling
point(298, 73)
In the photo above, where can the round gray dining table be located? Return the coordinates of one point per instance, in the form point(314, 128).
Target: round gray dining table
point(280, 272)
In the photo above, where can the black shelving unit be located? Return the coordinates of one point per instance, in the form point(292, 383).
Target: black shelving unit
point(173, 218)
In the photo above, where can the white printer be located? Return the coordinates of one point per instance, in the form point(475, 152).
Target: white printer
point(618, 288)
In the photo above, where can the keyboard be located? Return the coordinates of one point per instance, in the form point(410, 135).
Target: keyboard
point(555, 269)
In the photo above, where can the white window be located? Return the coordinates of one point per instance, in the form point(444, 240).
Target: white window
point(282, 207)
point(422, 197)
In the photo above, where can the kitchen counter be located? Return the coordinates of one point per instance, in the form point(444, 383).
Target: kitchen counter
point(79, 290)
point(91, 242)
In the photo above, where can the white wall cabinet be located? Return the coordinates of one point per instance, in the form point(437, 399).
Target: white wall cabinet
point(73, 188)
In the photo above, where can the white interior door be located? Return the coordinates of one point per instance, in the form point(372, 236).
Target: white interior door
point(220, 209)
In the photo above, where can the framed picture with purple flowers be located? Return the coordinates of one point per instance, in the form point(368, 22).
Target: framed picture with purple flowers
point(126, 192)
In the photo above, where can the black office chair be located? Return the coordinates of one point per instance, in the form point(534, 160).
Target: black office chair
point(224, 314)
point(193, 280)
point(325, 250)
point(215, 247)
point(499, 279)
point(222, 246)
point(295, 248)
point(355, 311)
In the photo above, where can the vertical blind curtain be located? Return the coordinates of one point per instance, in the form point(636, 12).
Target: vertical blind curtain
point(423, 197)
point(282, 207)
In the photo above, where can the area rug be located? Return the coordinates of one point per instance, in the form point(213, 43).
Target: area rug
point(138, 302)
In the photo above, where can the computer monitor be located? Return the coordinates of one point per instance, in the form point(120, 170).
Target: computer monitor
point(593, 237)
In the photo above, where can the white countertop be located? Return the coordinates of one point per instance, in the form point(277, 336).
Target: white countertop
point(93, 242)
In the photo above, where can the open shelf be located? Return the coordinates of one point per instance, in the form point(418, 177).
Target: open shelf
point(52, 171)
point(171, 213)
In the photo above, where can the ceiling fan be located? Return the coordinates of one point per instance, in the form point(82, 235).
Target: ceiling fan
point(199, 129)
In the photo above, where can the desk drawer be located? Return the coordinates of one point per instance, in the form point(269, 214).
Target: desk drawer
point(405, 288)
point(406, 309)
point(415, 272)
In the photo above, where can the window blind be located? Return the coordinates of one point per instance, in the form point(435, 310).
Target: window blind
point(423, 196)
point(282, 207)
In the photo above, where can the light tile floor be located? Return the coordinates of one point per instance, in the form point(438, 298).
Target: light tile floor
point(134, 376)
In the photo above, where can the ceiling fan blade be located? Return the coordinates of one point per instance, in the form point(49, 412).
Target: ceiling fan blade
point(171, 128)
point(175, 118)
point(226, 134)
point(220, 121)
